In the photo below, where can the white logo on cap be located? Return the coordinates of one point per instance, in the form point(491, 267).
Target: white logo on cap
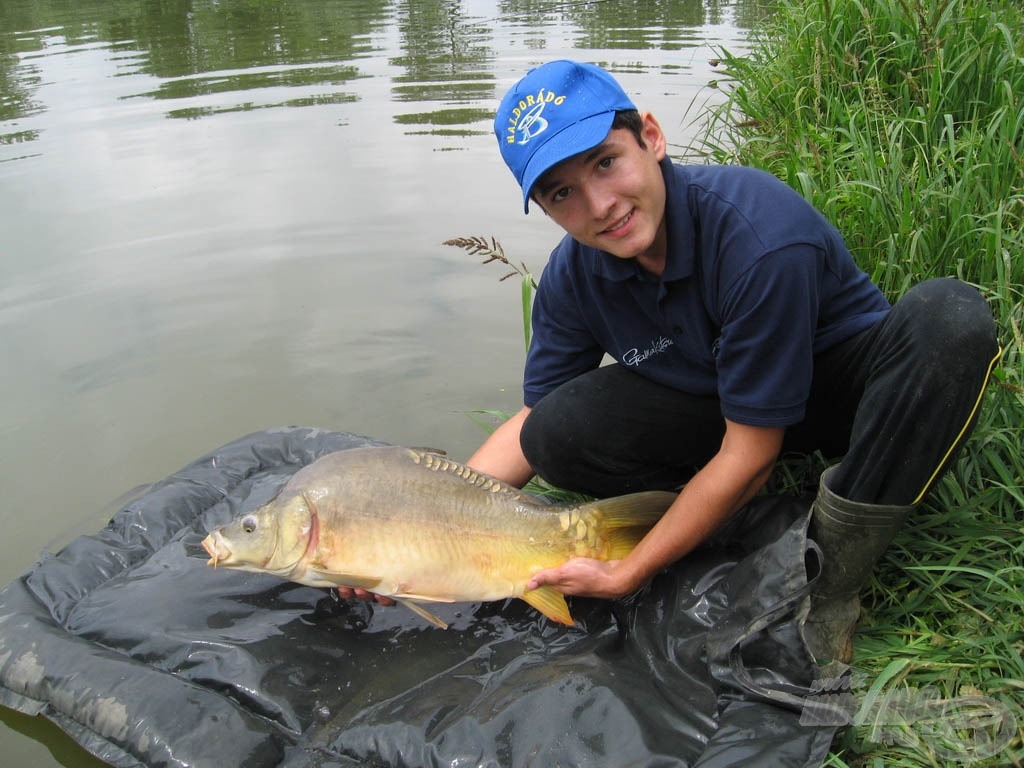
point(531, 124)
point(525, 117)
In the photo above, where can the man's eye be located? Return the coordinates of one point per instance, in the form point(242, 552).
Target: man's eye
point(606, 162)
point(560, 194)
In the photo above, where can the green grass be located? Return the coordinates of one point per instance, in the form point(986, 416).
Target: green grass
point(903, 122)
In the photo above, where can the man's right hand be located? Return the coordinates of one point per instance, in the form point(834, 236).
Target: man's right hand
point(348, 593)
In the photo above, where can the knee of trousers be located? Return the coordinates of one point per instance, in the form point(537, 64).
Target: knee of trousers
point(550, 448)
point(947, 327)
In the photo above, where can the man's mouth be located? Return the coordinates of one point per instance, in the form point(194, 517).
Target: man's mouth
point(618, 225)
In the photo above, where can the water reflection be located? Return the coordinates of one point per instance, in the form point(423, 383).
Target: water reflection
point(445, 52)
point(241, 47)
point(645, 24)
point(219, 216)
point(217, 56)
point(152, 263)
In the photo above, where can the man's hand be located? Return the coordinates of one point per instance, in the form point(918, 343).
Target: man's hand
point(583, 576)
point(727, 482)
point(347, 593)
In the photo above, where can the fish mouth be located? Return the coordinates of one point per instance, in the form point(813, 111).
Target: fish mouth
point(216, 548)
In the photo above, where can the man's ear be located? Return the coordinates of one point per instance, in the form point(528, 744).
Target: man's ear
point(654, 137)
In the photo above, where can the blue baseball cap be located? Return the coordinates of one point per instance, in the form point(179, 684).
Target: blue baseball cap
point(555, 111)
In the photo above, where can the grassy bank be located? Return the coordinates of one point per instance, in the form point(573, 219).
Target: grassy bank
point(903, 122)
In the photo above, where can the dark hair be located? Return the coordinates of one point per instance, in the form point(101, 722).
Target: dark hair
point(630, 120)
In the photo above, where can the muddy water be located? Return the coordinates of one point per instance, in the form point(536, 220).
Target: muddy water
point(222, 216)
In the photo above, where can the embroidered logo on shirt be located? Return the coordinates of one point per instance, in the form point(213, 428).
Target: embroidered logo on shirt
point(636, 356)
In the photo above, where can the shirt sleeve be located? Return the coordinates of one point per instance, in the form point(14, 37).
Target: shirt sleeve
point(561, 347)
point(766, 348)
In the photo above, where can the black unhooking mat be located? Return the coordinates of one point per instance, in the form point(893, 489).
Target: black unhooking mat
point(146, 656)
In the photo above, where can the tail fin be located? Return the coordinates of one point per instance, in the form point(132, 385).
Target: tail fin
point(622, 521)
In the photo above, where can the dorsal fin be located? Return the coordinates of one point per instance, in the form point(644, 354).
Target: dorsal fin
point(440, 463)
point(428, 449)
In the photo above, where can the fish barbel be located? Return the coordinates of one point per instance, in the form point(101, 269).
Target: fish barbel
point(416, 526)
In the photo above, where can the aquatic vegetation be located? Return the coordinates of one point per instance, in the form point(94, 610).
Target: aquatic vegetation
point(903, 122)
point(493, 252)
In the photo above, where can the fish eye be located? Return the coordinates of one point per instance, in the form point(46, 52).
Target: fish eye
point(249, 523)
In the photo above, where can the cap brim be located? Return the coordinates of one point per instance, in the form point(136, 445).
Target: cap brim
point(579, 137)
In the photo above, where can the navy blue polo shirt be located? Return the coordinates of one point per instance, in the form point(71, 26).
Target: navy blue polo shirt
point(756, 283)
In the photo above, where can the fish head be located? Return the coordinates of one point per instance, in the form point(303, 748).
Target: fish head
point(272, 539)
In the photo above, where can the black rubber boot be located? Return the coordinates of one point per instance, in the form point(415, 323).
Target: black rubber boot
point(852, 536)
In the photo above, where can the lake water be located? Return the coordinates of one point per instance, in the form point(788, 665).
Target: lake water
point(219, 216)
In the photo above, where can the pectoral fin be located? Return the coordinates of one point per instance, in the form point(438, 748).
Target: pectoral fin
point(551, 603)
point(344, 579)
point(421, 611)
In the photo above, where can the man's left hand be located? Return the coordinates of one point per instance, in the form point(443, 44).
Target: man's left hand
point(582, 576)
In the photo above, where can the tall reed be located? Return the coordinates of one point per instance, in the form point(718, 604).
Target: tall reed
point(903, 122)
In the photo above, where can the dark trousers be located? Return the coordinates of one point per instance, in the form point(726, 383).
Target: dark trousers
point(895, 402)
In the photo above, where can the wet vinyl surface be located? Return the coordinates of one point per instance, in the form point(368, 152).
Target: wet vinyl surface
point(146, 656)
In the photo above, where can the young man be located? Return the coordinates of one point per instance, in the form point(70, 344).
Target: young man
point(740, 328)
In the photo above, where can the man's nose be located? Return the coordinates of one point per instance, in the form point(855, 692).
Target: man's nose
point(600, 201)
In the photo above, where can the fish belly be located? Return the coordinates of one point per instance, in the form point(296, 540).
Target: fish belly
point(434, 561)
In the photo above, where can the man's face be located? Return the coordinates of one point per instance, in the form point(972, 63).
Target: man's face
point(612, 197)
